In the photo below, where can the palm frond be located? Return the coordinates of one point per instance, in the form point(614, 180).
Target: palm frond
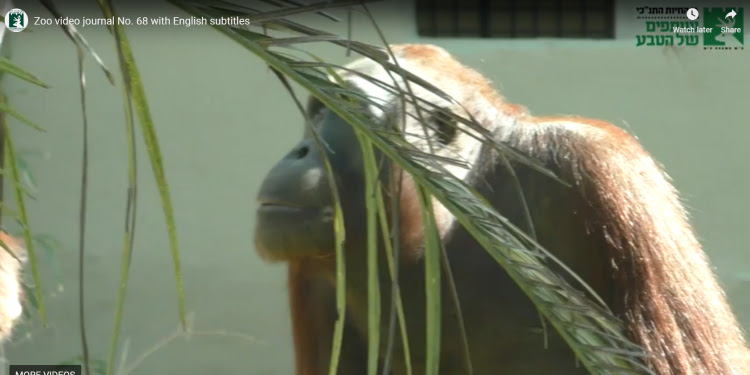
point(72, 32)
point(8, 67)
point(340, 234)
point(11, 165)
point(12, 169)
point(134, 97)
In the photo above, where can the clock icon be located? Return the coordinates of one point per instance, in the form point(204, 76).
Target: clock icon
point(692, 14)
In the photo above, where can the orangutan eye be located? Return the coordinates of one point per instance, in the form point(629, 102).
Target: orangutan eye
point(445, 127)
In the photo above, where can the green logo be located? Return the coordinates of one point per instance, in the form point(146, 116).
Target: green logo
point(16, 20)
point(720, 28)
point(726, 28)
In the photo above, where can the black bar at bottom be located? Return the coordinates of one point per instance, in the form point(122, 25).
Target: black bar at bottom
point(45, 370)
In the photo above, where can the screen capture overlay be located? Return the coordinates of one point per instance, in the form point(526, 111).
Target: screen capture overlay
point(45, 370)
point(712, 28)
point(701, 26)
